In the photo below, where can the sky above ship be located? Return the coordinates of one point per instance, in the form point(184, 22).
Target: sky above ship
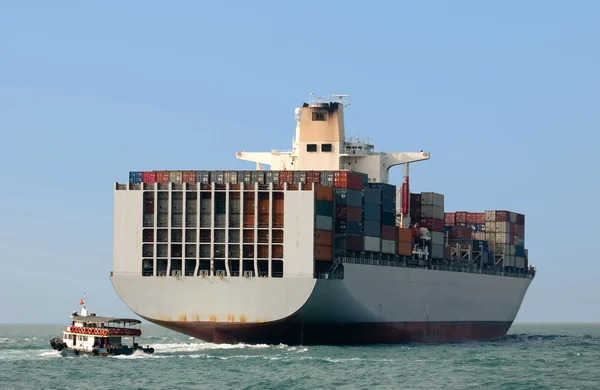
point(503, 94)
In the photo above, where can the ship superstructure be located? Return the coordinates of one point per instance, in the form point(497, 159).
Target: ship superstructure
point(320, 249)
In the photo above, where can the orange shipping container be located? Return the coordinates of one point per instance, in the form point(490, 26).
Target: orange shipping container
point(263, 206)
point(248, 220)
point(278, 220)
point(278, 206)
point(162, 177)
point(323, 253)
point(323, 237)
point(277, 251)
point(404, 248)
point(404, 235)
point(324, 193)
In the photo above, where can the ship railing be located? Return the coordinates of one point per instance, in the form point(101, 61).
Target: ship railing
point(321, 275)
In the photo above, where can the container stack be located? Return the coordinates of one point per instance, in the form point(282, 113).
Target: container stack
point(432, 218)
point(372, 219)
point(348, 209)
point(505, 231)
point(323, 223)
point(388, 217)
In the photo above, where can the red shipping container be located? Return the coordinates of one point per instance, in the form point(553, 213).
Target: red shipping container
point(189, 177)
point(345, 179)
point(519, 230)
point(471, 217)
point(388, 232)
point(501, 216)
point(349, 213)
point(313, 176)
point(435, 225)
point(416, 232)
point(149, 177)
point(461, 217)
point(449, 219)
point(162, 177)
point(286, 177)
point(520, 219)
point(480, 218)
point(461, 232)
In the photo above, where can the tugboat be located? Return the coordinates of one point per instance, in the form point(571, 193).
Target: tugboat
point(89, 334)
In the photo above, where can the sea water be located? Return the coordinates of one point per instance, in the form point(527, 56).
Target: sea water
point(532, 356)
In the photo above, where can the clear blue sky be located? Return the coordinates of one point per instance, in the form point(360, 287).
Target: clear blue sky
point(503, 94)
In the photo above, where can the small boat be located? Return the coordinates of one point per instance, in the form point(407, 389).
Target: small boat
point(90, 334)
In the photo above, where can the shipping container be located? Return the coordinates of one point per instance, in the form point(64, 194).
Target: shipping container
point(217, 177)
point(135, 177)
point(479, 236)
point(388, 204)
point(519, 251)
point(519, 262)
point(388, 232)
point(323, 253)
point(436, 225)
point(471, 217)
point(415, 214)
point(415, 200)
point(272, 177)
point(437, 251)
point(429, 211)
point(323, 237)
point(350, 213)
point(348, 227)
point(346, 179)
point(349, 243)
point(512, 217)
point(162, 177)
point(371, 212)
point(461, 232)
point(502, 216)
point(404, 235)
point(371, 244)
point(432, 198)
point(519, 230)
point(502, 238)
point(520, 219)
point(387, 190)
point(479, 244)
point(437, 238)
point(286, 177)
point(389, 219)
point(348, 197)
point(323, 207)
point(364, 178)
point(299, 177)
point(388, 247)
point(501, 227)
point(202, 177)
point(313, 177)
point(404, 248)
point(449, 219)
point(372, 228)
point(188, 177)
point(324, 193)
point(229, 177)
point(519, 241)
point(372, 196)
point(461, 217)
point(326, 178)
point(323, 223)
point(149, 177)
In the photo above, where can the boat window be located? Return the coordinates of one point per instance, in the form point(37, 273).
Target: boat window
point(311, 147)
point(319, 116)
point(147, 267)
point(326, 148)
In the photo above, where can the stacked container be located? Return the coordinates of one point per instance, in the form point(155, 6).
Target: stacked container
point(348, 220)
point(323, 223)
point(432, 218)
point(372, 219)
point(387, 195)
point(404, 242)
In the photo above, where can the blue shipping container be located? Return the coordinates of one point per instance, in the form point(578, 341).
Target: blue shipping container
point(388, 218)
point(478, 243)
point(519, 251)
point(372, 228)
point(349, 227)
point(388, 204)
point(135, 177)
point(372, 195)
point(348, 197)
point(372, 212)
point(448, 229)
point(387, 190)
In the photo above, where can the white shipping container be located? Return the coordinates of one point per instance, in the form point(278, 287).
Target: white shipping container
point(490, 227)
point(502, 227)
point(371, 244)
point(490, 237)
point(502, 238)
point(502, 249)
point(324, 223)
point(431, 211)
point(509, 261)
point(437, 238)
point(480, 236)
point(490, 216)
point(176, 177)
point(437, 251)
point(388, 246)
point(520, 262)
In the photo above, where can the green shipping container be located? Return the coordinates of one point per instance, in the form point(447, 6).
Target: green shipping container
point(324, 208)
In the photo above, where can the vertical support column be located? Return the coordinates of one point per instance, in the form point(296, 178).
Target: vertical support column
point(270, 231)
point(227, 271)
point(212, 228)
point(255, 228)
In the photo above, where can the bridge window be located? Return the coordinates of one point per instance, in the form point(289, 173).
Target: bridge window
point(311, 147)
point(326, 148)
point(319, 116)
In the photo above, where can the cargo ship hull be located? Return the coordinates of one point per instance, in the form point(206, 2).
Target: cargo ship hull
point(371, 304)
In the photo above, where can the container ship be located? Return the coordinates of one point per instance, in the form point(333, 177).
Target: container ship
point(317, 249)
